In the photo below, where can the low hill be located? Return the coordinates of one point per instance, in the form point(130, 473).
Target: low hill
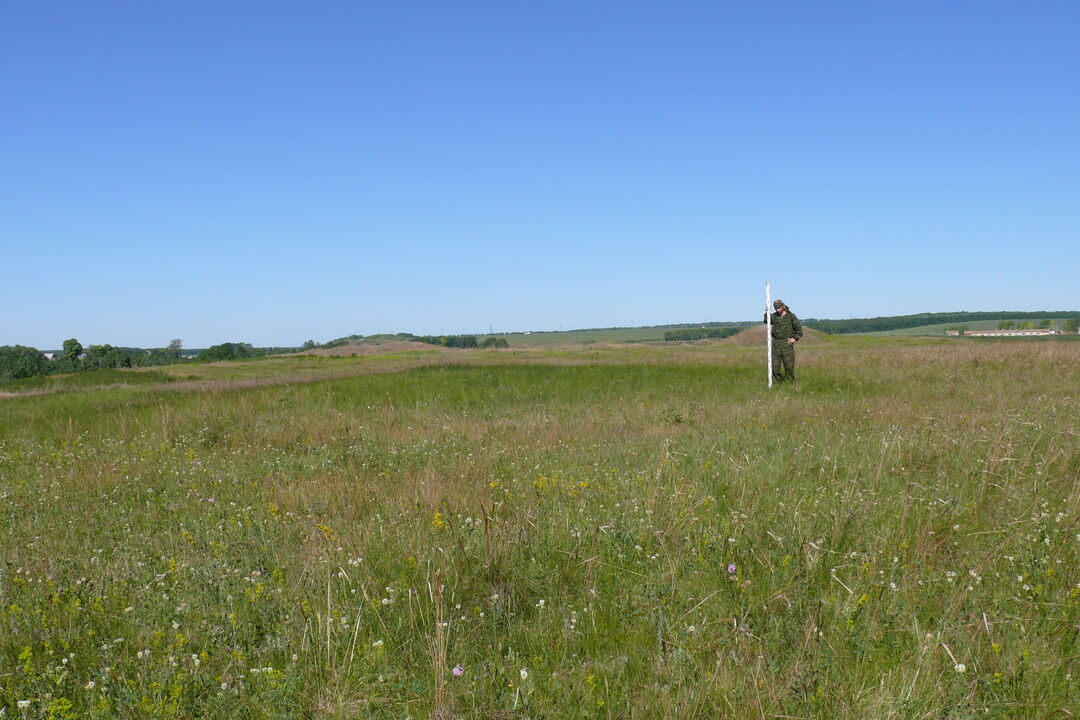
point(756, 336)
point(899, 322)
point(389, 347)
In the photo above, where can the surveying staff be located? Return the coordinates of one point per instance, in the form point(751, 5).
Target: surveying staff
point(786, 331)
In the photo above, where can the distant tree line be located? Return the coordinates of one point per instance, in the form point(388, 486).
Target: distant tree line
point(460, 341)
point(20, 361)
point(898, 322)
point(700, 333)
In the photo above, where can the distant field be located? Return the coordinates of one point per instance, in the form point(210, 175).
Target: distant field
point(931, 330)
point(637, 531)
point(571, 337)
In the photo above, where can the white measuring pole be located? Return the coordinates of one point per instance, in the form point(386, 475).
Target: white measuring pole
point(768, 330)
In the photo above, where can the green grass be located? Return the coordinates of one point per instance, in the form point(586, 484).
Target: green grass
point(92, 378)
point(638, 532)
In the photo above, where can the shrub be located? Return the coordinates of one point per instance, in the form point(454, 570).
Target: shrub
point(19, 361)
point(226, 351)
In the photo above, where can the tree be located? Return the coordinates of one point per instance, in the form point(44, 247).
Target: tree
point(106, 356)
point(1072, 325)
point(226, 351)
point(72, 349)
point(174, 347)
point(310, 345)
point(1043, 324)
point(1026, 325)
point(19, 361)
point(1006, 325)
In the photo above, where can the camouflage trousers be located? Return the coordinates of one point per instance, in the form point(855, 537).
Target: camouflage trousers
point(783, 355)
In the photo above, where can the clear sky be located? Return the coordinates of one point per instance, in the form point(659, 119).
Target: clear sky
point(271, 172)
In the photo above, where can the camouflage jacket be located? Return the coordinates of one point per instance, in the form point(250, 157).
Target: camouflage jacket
point(786, 326)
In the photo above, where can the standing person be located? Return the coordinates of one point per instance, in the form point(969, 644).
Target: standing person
point(786, 331)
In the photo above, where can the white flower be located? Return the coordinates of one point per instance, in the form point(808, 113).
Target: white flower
point(89, 685)
point(524, 674)
point(377, 644)
point(960, 667)
point(23, 703)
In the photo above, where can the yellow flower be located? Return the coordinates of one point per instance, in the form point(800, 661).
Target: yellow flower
point(437, 522)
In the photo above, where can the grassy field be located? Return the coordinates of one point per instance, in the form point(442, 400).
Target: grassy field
point(582, 337)
point(627, 532)
point(574, 337)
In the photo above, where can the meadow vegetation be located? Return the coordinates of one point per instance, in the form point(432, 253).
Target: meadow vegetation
point(583, 532)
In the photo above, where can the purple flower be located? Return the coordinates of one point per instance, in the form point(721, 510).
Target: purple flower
point(458, 670)
point(731, 569)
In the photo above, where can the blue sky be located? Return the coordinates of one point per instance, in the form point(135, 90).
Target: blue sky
point(273, 172)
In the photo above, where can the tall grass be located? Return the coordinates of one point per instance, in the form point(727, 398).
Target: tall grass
point(638, 533)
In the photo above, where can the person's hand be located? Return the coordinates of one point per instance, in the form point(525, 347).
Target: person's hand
point(791, 341)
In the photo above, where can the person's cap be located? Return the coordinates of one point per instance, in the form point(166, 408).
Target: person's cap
point(778, 304)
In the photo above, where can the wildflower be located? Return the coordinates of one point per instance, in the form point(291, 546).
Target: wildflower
point(731, 569)
point(89, 685)
point(377, 644)
point(23, 704)
point(458, 670)
point(524, 674)
point(960, 667)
